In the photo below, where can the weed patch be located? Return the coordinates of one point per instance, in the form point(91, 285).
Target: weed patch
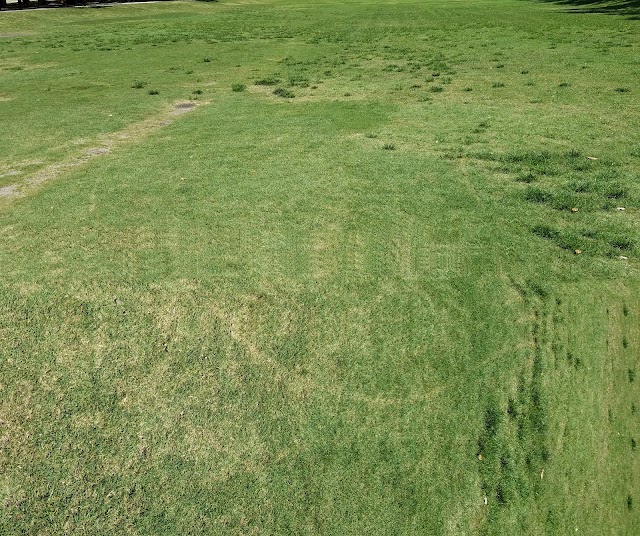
point(573, 184)
point(267, 81)
point(284, 93)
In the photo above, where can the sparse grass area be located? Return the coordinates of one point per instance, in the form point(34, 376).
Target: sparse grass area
point(245, 314)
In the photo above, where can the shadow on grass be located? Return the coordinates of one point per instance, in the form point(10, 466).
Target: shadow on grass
point(39, 4)
point(630, 8)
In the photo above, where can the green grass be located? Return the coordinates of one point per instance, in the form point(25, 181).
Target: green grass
point(227, 312)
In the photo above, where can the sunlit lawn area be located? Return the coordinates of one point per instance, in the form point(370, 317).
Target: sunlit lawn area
point(333, 267)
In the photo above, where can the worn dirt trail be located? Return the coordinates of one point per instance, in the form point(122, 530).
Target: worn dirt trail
point(131, 134)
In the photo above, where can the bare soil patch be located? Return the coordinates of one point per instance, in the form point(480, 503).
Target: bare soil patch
point(97, 151)
point(15, 34)
point(9, 191)
point(183, 107)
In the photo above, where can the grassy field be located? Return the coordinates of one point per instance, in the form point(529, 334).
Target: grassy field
point(330, 267)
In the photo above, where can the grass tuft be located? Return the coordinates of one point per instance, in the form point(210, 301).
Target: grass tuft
point(622, 242)
point(545, 231)
point(538, 195)
point(284, 93)
point(527, 177)
point(267, 81)
point(616, 191)
point(491, 420)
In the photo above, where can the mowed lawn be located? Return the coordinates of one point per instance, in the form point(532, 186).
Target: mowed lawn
point(330, 267)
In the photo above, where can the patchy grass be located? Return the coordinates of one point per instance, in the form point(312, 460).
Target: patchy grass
point(255, 318)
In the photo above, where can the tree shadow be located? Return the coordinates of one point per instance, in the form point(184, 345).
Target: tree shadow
point(8, 5)
point(629, 8)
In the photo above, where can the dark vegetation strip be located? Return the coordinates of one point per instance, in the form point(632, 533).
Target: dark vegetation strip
point(611, 7)
point(26, 4)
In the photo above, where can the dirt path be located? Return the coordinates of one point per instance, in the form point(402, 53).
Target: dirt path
point(131, 134)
